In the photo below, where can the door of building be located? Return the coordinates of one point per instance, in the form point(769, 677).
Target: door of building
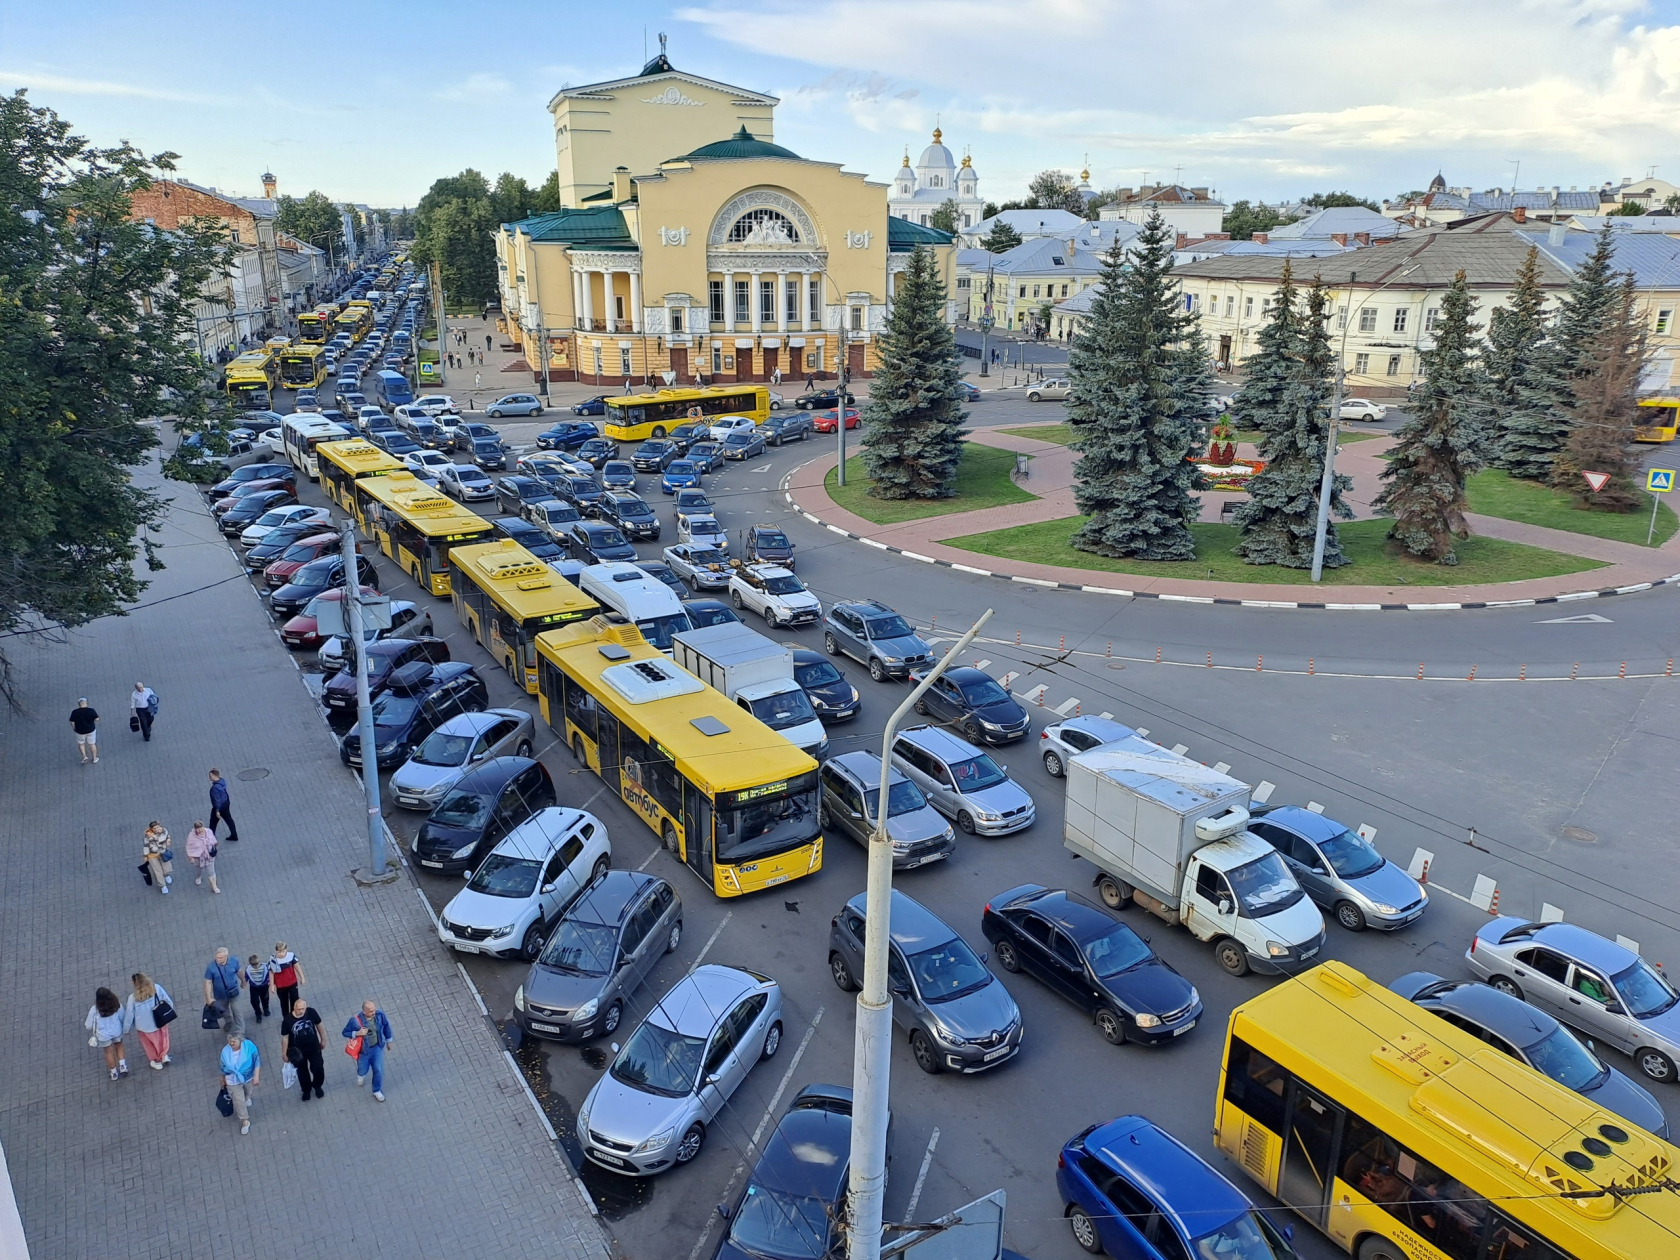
point(1225, 354)
point(854, 359)
point(770, 359)
point(679, 364)
point(744, 364)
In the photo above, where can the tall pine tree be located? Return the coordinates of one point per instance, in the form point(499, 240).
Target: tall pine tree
point(1606, 408)
point(1525, 427)
point(1279, 522)
point(1441, 444)
point(1141, 399)
point(1266, 372)
point(912, 422)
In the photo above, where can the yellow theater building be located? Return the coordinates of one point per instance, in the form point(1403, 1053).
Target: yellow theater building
point(689, 244)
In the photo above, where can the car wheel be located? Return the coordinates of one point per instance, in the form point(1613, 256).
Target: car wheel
point(927, 1058)
point(735, 598)
point(668, 837)
point(970, 730)
point(830, 646)
point(675, 939)
point(1655, 1064)
point(772, 1041)
point(770, 618)
point(609, 1021)
point(537, 412)
point(1508, 986)
point(921, 707)
point(844, 980)
point(824, 818)
point(1112, 1025)
point(691, 1142)
point(494, 414)
point(1232, 957)
point(965, 821)
point(524, 749)
point(532, 945)
point(602, 865)
point(1007, 958)
point(1033, 397)
point(876, 671)
point(1053, 765)
point(1350, 916)
point(1116, 894)
point(1377, 1248)
point(1084, 1230)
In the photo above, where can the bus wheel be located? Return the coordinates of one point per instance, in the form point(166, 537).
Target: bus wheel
point(658, 430)
point(417, 579)
point(1375, 1248)
point(668, 837)
point(577, 748)
point(509, 664)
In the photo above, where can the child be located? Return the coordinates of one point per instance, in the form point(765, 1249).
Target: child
point(256, 978)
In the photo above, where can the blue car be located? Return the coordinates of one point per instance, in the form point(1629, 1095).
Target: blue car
point(970, 393)
point(680, 475)
point(566, 435)
point(1130, 1189)
point(596, 406)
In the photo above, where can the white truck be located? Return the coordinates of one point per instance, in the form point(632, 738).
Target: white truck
point(1169, 833)
point(757, 674)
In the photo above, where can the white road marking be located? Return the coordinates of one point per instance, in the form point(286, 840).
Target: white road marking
point(982, 664)
point(1036, 694)
point(1066, 706)
point(711, 940)
point(921, 1177)
point(1143, 731)
point(1222, 767)
point(1263, 793)
point(1008, 678)
point(1106, 716)
point(1180, 749)
point(647, 861)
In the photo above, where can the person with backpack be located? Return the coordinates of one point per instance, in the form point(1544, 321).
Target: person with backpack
point(149, 1014)
point(143, 707)
point(286, 973)
point(300, 1043)
point(222, 979)
point(368, 1037)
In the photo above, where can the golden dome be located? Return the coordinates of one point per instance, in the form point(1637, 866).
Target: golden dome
point(936, 135)
point(1085, 175)
point(967, 161)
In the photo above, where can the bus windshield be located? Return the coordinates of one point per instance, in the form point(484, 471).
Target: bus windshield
point(769, 825)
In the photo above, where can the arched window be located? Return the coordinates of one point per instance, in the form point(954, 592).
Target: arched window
point(763, 226)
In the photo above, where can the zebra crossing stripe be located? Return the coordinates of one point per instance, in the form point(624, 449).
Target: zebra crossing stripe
point(1066, 707)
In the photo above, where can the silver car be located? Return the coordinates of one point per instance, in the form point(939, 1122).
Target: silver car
point(963, 782)
point(1605, 990)
point(703, 567)
point(408, 621)
point(678, 1069)
point(1062, 741)
point(1340, 870)
point(464, 741)
point(851, 790)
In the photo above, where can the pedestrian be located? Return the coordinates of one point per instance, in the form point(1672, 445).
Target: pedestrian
point(286, 973)
point(222, 979)
point(143, 703)
point(256, 984)
point(300, 1043)
point(241, 1070)
point(486, 341)
point(369, 1036)
point(107, 1020)
point(776, 375)
point(810, 382)
point(148, 1002)
point(478, 379)
point(85, 722)
point(158, 856)
point(626, 386)
point(220, 810)
point(201, 852)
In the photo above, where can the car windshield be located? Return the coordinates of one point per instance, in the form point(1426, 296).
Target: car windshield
point(820, 674)
point(765, 827)
point(473, 478)
point(561, 514)
point(504, 875)
point(1241, 1239)
point(983, 692)
point(894, 627)
point(660, 1061)
point(947, 971)
point(784, 710)
point(658, 630)
point(779, 1225)
point(773, 539)
point(606, 536)
point(903, 797)
point(634, 507)
point(583, 949)
point(715, 615)
point(300, 552)
point(618, 468)
point(443, 749)
point(788, 585)
point(706, 555)
point(1264, 886)
point(1349, 855)
point(275, 517)
point(1644, 991)
point(467, 810)
point(394, 710)
point(1119, 949)
point(680, 468)
point(1560, 1056)
point(976, 773)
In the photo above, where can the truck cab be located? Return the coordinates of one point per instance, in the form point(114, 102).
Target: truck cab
point(1238, 891)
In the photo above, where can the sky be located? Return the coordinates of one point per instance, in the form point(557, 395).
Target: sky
point(1267, 99)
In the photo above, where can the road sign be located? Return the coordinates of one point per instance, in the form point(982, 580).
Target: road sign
point(1596, 480)
point(1659, 480)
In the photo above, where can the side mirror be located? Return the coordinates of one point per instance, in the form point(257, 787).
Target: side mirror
point(1224, 906)
point(1614, 1008)
point(466, 874)
point(1289, 1233)
point(548, 888)
point(985, 955)
point(624, 960)
point(712, 1078)
point(723, 1211)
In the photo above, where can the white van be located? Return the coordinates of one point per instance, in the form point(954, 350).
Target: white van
point(625, 590)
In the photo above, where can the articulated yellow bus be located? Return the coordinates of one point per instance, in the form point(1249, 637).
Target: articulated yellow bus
point(303, 366)
point(506, 597)
point(637, 416)
point(342, 464)
point(417, 526)
point(1402, 1137)
point(254, 373)
point(728, 795)
point(1656, 421)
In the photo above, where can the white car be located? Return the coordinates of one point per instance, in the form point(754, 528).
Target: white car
point(702, 531)
point(274, 437)
point(408, 621)
point(1047, 390)
point(427, 465)
point(461, 743)
point(775, 593)
point(1062, 741)
point(278, 518)
point(466, 483)
point(435, 405)
point(364, 415)
point(526, 883)
point(723, 426)
point(1362, 409)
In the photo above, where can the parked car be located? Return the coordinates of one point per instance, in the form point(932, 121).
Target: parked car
point(829, 421)
point(596, 406)
point(597, 956)
point(466, 483)
point(595, 541)
point(465, 432)
point(875, 636)
point(408, 621)
point(653, 455)
point(1085, 954)
point(666, 574)
point(743, 444)
point(774, 593)
point(618, 474)
point(513, 493)
point(1524, 1032)
point(957, 1015)
point(631, 513)
point(768, 544)
point(722, 426)
point(851, 793)
point(276, 543)
point(261, 470)
point(1050, 390)
point(1060, 741)
point(583, 493)
point(535, 540)
point(702, 567)
point(597, 451)
point(679, 474)
point(480, 808)
point(1340, 870)
point(302, 630)
point(819, 399)
point(515, 405)
point(566, 435)
point(695, 1048)
point(963, 783)
point(702, 530)
point(975, 703)
point(305, 550)
point(259, 530)
point(223, 504)
point(248, 509)
point(709, 612)
point(553, 517)
point(416, 700)
point(1600, 987)
point(707, 456)
point(833, 699)
point(384, 658)
point(437, 405)
point(1362, 409)
point(794, 427)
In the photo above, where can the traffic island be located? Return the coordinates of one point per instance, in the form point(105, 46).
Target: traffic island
point(984, 480)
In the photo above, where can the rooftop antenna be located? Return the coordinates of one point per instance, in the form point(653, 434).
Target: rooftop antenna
point(661, 43)
point(1516, 165)
point(1178, 173)
point(644, 45)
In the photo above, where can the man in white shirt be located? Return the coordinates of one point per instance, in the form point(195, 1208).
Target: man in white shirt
point(144, 704)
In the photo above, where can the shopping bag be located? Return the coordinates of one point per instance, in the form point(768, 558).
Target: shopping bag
point(288, 1076)
point(224, 1102)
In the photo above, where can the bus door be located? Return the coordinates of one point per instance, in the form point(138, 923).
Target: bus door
point(697, 831)
point(1313, 1128)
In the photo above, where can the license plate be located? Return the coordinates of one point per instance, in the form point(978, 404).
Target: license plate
point(408, 800)
point(1308, 953)
point(992, 1055)
point(429, 862)
point(1179, 1032)
point(551, 1028)
point(614, 1160)
point(466, 949)
point(774, 880)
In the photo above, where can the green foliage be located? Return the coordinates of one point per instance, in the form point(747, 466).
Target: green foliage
point(1606, 396)
point(989, 210)
point(1330, 200)
point(1244, 219)
point(1055, 190)
point(912, 421)
point(983, 481)
point(512, 198)
point(1629, 208)
point(1524, 427)
point(455, 225)
point(948, 218)
point(313, 219)
point(1140, 404)
point(546, 200)
point(1000, 239)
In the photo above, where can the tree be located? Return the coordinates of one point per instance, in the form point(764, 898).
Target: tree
point(1000, 239)
point(1629, 208)
point(1524, 427)
point(990, 210)
point(1055, 190)
point(1441, 444)
point(912, 421)
point(1568, 352)
point(546, 200)
point(1244, 219)
point(948, 218)
point(1329, 200)
point(511, 198)
point(97, 327)
point(461, 237)
point(312, 219)
point(1606, 411)
point(1280, 519)
point(1140, 404)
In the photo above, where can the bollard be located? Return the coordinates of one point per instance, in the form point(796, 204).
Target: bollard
point(1158, 656)
point(934, 624)
point(1423, 875)
point(1110, 651)
point(1017, 638)
point(1062, 646)
point(1259, 662)
point(1573, 670)
point(1040, 699)
point(1669, 672)
point(1522, 673)
point(1420, 671)
point(1623, 672)
point(1471, 676)
point(1493, 906)
point(1077, 710)
point(1210, 660)
point(1309, 665)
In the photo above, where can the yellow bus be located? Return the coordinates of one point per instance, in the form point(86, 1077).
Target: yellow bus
point(303, 366)
point(254, 373)
point(314, 327)
point(637, 416)
point(1402, 1137)
point(1657, 422)
point(725, 793)
point(355, 320)
point(342, 464)
point(506, 597)
point(417, 526)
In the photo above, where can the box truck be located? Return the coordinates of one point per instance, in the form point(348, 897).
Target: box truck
point(757, 674)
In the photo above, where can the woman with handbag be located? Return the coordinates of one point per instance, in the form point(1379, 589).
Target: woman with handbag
point(156, 854)
point(201, 852)
point(150, 1013)
point(107, 1020)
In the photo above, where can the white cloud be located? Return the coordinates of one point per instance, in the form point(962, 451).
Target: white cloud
point(47, 82)
point(475, 89)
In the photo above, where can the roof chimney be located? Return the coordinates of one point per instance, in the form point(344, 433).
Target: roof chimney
point(1361, 238)
point(621, 191)
point(269, 184)
point(1520, 213)
point(1555, 235)
point(1182, 241)
point(1339, 237)
point(1261, 238)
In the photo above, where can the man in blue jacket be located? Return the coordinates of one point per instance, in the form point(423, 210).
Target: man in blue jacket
point(220, 807)
point(375, 1031)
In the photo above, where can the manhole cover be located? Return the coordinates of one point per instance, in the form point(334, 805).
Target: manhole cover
point(1117, 664)
point(255, 772)
point(1581, 834)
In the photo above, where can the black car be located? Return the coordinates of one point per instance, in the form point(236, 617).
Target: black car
point(832, 697)
point(489, 453)
point(767, 544)
point(618, 474)
point(665, 574)
point(567, 435)
point(597, 451)
point(975, 703)
point(472, 431)
point(395, 445)
point(251, 508)
point(537, 541)
point(631, 513)
point(596, 406)
point(686, 435)
point(276, 542)
point(418, 698)
point(821, 400)
point(317, 576)
point(513, 493)
point(429, 433)
point(482, 807)
point(653, 455)
point(1088, 956)
point(795, 427)
point(251, 472)
point(385, 657)
point(709, 612)
point(581, 492)
point(595, 541)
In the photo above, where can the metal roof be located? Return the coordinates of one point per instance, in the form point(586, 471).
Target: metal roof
point(598, 227)
point(1654, 259)
point(1333, 219)
point(903, 236)
point(743, 144)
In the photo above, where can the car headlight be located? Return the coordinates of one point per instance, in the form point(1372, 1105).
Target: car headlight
point(988, 815)
point(1147, 1021)
point(949, 834)
point(1277, 950)
point(658, 1142)
point(505, 930)
point(1194, 996)
point(1382, 907)
point(854, 695)
point(583, 1117)
point(519, 998)
point(465, 851)
point(588, 1009)
point(892, 660)
point(387, 752)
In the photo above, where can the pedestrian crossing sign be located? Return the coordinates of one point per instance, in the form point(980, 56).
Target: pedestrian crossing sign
point(1659, 480)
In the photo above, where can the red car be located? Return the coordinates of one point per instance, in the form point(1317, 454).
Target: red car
point(301, 632)
point(297, 555)
point(829, 421)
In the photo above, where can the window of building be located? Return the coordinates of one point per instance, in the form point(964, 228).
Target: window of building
point(624, 361)
point(1394, 365)
point(716, 290)
point(924, 220)
point(763, 226)
point(1341, 317)
point(677, 320)
point(1664, 319)
point(1429, 318)
point(1036, 289)
point(1230, 306)
point(965, 220)
point(1064, 290)
point(618, 306)
point(1361, 364)
point(1400, 314)
point(743, 301)
point(1023, 290)
point(717, 357)
point(816, 303)
point(1248, 308)
point(790, 302)
point(235, 236)
point(964, 282)
point(857, 319)
point(1367, 319)
point(767, 301)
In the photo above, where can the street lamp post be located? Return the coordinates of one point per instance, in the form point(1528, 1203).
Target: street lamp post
point(986, 324)
point(356, 645)
point(840, 402)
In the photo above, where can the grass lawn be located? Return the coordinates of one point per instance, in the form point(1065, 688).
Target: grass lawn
point(982, 482)
point(1375, 563)
point(1062, 434)
point(1494, 492)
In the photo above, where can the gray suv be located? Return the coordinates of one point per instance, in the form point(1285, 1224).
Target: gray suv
point(851, 789)
point(957, 1014)
point(874, 635)
point(963, 782)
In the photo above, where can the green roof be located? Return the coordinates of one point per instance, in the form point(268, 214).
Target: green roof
point(742, 145)
point(599, 227)
point(903, 236)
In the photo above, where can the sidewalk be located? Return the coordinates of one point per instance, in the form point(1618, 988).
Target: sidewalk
point(456, 1162)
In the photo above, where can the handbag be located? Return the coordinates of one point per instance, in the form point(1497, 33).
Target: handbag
point(213, 849)
point(134, 721)
point(224, 1102)
point(211, 1019)
point(353, 1047)
point(288, 1076)
point(146, 873)
point(163, 1012)
point(169, 855)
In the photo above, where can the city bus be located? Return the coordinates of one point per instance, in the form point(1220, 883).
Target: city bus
point(1400, 1135)
point(417, 526)
point(314, 327)
point(729, 796)
point(636, 416)
point(274, 345)
point(506, 597)
point(302, 432)
point(342, 464)
point(1656, 422)
point(252, 379)
point(303, 366)
point(354, 319)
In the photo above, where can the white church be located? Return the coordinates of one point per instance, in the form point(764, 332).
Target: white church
point(936, 179)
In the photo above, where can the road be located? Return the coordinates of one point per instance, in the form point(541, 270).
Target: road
point(1551, 789)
